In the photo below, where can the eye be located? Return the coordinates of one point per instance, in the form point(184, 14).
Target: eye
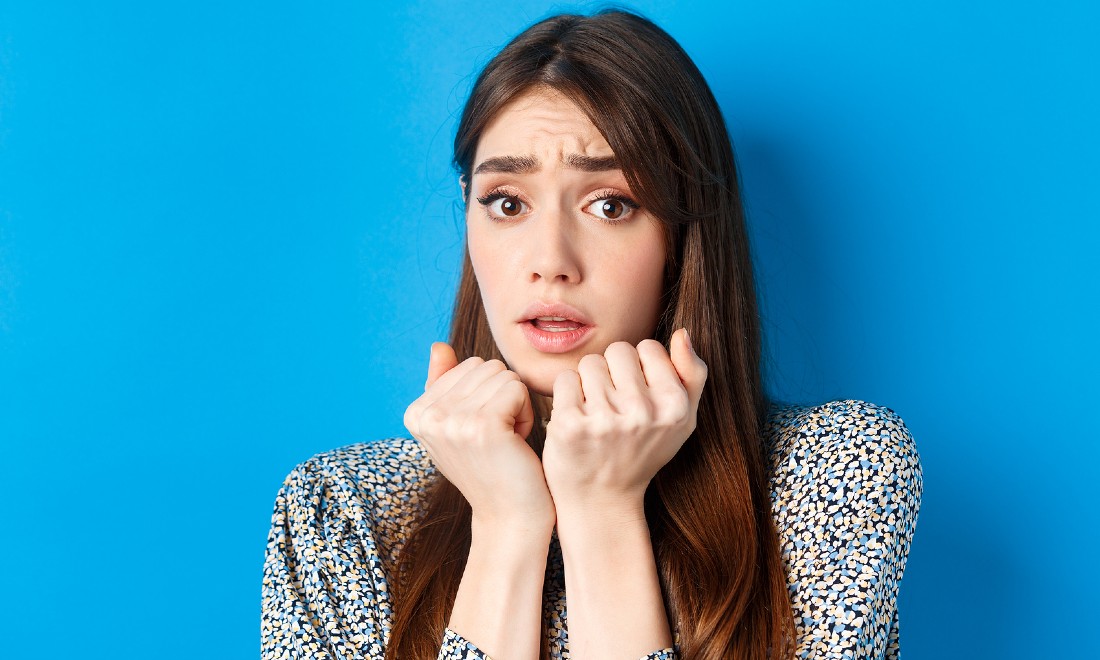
point(612, 207)
point(500, 205)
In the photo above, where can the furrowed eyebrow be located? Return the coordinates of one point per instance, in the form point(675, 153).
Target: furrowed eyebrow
point(528, 164)
point(591, 164)
point(508, 165)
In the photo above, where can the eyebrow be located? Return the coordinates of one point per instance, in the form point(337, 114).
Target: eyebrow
point(528, 164)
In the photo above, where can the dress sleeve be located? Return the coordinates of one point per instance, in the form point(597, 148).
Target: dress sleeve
point(325, 595)
point(457, 648)
point(846, 497)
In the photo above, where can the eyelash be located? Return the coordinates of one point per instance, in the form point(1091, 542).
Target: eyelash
point(497, 194)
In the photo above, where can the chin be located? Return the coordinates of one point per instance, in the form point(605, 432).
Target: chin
point(539, 381)
point(539, 375)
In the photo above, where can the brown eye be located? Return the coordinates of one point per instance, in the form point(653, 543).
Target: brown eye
point(612, 208)
point(511, 207)
point(499, 205)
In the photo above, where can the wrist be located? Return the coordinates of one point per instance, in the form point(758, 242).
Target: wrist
point(595, 510)
point(512, 532)
point(596, 529)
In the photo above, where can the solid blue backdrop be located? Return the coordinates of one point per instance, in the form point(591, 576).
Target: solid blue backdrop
point(229, 232)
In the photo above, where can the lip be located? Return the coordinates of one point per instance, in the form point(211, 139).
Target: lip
point(554, 342)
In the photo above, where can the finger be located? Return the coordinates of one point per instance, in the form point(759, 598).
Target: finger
point(595, 380)
point(689, 366)
point(660, 374)
point(445, 384)
point(567, 390)
point(478, 397)
point(624, 368)
point(470, 381)
point(441, 360)
point(512, 400)
point(451, 388)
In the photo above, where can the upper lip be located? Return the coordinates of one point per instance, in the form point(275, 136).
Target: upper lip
point(540, 309)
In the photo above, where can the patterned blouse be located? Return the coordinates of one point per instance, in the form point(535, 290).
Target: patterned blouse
point(845, 488)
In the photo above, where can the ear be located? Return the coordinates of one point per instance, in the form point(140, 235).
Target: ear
point(462, 184)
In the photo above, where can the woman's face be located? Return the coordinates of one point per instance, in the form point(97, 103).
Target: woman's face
point(566, 261)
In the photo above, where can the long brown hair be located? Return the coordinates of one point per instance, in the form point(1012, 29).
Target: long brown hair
point(709, 512)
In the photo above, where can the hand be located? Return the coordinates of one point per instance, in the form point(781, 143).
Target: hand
point(473, 420)
point(617, 420)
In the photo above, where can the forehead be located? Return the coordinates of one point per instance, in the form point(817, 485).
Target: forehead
point(545, 123)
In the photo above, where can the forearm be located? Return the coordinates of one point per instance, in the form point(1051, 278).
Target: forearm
point(615, 604)
point(498, 606)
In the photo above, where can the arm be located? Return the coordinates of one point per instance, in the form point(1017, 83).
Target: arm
point(616, 608)
point(846, 546)
point(473, 420)
point(616, 421)
point(322, 597)
point(499, 600)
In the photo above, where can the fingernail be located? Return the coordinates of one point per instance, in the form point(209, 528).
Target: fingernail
point(687, 340)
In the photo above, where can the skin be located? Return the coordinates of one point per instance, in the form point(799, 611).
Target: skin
point(622, 404)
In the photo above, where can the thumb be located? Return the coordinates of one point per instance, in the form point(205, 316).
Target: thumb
point(689, 366)
point(442, 360)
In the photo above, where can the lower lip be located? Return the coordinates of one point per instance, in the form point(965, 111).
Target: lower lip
point(554, 342)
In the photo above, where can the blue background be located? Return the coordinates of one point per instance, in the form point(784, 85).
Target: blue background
point(228, 233)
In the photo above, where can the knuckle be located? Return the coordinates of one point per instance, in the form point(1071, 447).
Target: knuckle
point(566, 422)
point(679, 409)
point(511, 387)
point(601, 426)
point(636, 421)
point(432, 416)
point(634, 404)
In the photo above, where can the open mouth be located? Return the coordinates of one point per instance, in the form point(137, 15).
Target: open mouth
point(555, 330)
point(555, 324)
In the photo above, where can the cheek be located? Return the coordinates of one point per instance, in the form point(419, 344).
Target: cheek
point(645, 280)
point(487, 265)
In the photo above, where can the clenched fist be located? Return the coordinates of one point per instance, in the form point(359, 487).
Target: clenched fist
point(618, 419)
point(473, 420)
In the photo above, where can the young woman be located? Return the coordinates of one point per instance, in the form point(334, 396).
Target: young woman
point(595, 471)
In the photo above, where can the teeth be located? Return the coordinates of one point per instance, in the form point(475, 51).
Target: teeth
point(552, 318)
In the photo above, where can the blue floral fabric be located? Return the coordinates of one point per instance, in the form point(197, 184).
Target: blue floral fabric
point(845, 482)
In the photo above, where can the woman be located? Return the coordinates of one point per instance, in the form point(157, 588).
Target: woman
point(564, 463)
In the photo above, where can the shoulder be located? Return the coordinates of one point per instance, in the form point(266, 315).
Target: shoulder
point(843, 464)
point(846, 488)
point(381, 466)
point(367, 494)
point(376, 475)
point(841, 436)
point(336, 530)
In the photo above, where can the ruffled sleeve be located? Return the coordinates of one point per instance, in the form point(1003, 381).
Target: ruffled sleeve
point(846, 491)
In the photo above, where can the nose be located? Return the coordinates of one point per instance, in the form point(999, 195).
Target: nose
point(554, 254)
